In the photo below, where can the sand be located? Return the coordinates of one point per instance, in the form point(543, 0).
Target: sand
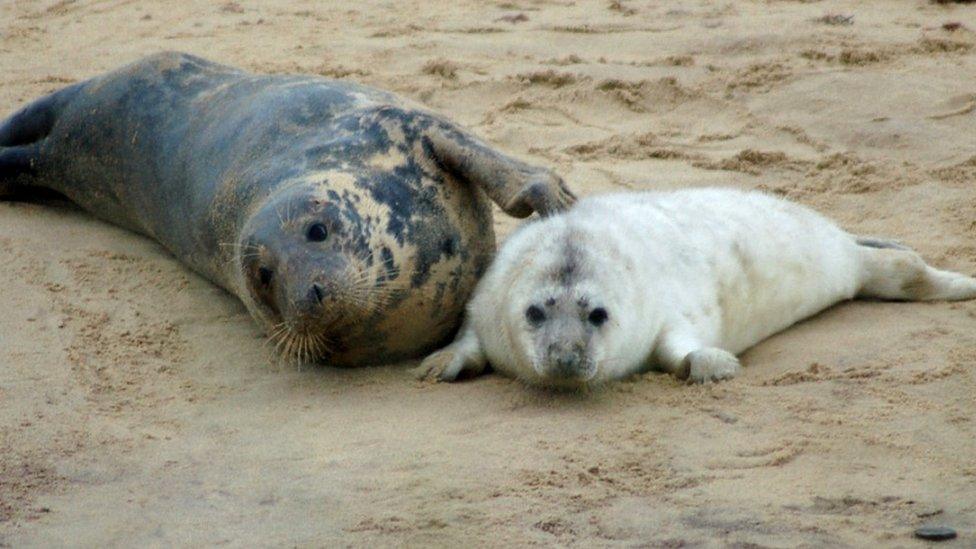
point(138, 405)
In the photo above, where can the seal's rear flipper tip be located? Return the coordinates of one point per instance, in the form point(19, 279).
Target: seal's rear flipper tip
point(881, 243)
point(16, 163)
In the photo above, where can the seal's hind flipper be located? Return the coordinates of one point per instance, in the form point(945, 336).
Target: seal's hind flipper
point(903, 275)
point(16, 162)
point(22, 134)
point(34, 122)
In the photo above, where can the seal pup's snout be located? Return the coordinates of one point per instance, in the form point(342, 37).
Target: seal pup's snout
point(565, 361)
point(568, 362)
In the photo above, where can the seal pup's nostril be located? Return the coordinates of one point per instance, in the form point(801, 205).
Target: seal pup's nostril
point(317, 293)
point(568, 363)
point(565, 361)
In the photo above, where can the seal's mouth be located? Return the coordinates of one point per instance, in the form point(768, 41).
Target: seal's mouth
point(303, 346)
point(568, 372)
point(581, 380)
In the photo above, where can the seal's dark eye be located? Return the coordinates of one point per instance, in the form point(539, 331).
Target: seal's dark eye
point(535, 315)
point(598, 316)
point(265, 275)
point(317, 233)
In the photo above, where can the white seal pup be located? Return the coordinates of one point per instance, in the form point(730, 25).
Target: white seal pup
point(682, 281)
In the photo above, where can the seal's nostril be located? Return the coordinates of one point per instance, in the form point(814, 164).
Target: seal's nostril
point(265, 275)
point(568, 361)
point(318, 293)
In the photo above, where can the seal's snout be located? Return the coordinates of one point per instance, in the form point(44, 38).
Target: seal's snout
point(565, 360)
point(315, 299)
point(292, 286)
point(320, 299)
point(308, 304)
point(568, 361)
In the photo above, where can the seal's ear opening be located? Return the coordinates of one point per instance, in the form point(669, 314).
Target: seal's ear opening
point(518, 188)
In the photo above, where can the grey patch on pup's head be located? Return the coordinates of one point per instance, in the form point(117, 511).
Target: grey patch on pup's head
point(572, 265)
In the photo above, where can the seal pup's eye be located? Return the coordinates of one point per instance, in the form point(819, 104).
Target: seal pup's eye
point(317, 233)
point(598, 316)
point(535, 315)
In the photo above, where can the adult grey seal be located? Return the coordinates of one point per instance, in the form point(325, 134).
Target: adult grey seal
point(351, 224)
point(682, 281)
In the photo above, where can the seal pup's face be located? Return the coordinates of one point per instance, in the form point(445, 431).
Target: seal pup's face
point(564, 337)
point(563, 324)
point(309, 272)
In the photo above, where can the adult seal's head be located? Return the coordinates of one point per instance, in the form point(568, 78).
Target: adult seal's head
point(372, 251)
point(352, 224)
point(338, 270)
point(316, 275)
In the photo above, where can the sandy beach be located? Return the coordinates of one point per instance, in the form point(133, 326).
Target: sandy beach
point(139, 405)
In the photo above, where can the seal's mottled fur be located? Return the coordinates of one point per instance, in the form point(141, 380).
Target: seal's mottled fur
point(230, 171)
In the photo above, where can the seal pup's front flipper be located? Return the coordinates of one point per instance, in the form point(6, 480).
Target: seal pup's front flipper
point(517, 187)
point(685, 357)
point(463, 356)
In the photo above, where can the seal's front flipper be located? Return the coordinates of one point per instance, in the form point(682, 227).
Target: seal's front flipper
point(517, 187)
point(683, 355)
point(16, 164)
point(461, 359)
point(710, 364)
